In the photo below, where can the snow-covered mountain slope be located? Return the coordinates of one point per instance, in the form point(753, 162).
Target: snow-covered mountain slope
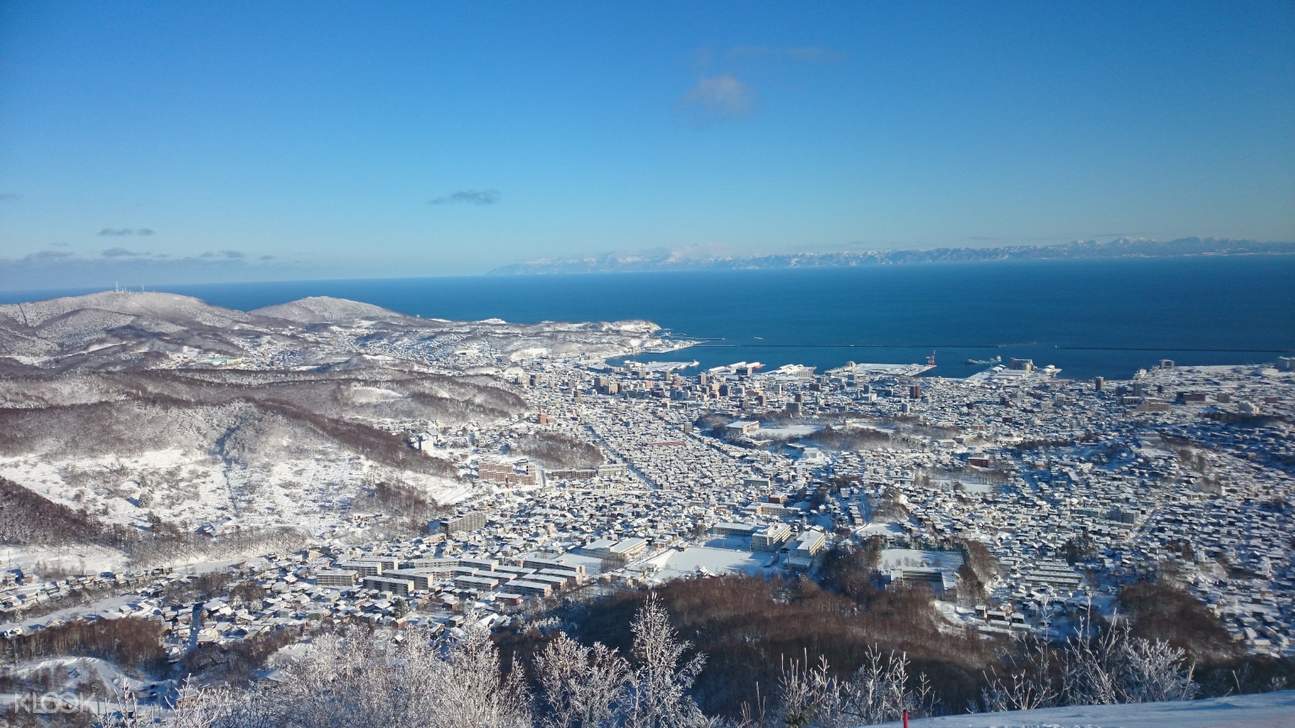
point(160, 306)
point(153, 413)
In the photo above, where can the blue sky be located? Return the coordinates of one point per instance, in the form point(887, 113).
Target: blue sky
point(177, 140)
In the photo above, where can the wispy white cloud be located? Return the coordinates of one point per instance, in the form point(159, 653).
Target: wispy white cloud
point(719, 93)
point(722, 95)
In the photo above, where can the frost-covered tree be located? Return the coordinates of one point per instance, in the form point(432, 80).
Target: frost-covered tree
point(811, 696)
point(581, 687)
point(363, 680)
point(1155, 671)
point(381, 679)
point(658, 689)
point(217, 706)
point(1093, 667)
point(1116, 667)
point(474, 693)
point(879, 691)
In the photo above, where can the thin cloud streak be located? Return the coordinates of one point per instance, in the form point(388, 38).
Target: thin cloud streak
point(467, 197)
point(800, 54)
point(125, 232)
point(59, 268)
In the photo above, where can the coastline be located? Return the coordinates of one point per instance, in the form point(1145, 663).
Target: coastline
point(1087, 318)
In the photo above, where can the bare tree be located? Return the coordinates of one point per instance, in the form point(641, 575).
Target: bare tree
point(1025, 683)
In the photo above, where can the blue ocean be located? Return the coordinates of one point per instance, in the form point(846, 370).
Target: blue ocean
point(1087, 317)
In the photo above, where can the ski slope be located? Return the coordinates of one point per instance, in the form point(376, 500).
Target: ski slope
point(1263, 710)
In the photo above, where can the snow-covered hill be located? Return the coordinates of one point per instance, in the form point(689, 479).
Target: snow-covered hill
point(130, 331)
point(324, 309)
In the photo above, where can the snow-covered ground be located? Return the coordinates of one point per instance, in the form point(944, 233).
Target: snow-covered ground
point(881, 528)
point(367, 395)
point(1265, 710)
point(76, 558)
point(70, 676)
point(897, 558)
point(789, 431)
point(192, 489)
point(675, 564)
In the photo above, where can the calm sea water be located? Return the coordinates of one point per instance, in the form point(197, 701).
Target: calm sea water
point(1089, 318)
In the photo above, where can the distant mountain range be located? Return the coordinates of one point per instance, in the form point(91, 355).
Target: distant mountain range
point(1078, 250)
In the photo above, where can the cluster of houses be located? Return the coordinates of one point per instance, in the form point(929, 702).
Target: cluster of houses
point(22, 593)
point(1077, 487)
point(505, 583)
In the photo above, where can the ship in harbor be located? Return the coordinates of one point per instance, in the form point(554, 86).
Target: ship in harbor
point(986, 362)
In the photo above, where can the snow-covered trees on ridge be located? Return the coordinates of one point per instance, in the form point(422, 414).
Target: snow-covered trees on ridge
point(363, 679)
